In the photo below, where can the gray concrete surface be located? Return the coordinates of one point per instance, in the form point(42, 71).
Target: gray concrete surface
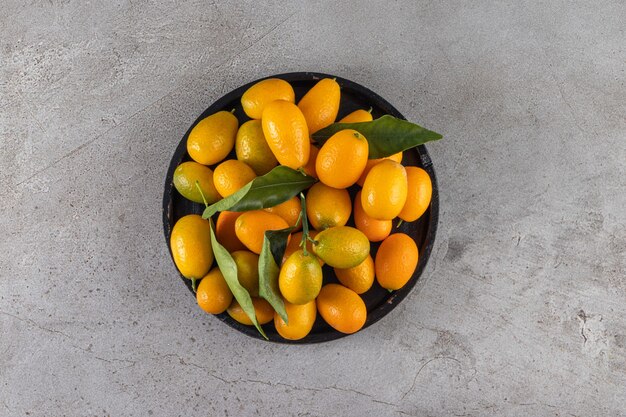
point(522, 310)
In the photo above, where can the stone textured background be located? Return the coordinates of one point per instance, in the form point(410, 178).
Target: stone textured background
point(521, 311)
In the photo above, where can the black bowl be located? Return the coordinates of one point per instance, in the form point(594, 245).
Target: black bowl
point(354, 96)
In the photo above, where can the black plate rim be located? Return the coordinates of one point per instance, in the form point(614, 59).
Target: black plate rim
point(395, 297)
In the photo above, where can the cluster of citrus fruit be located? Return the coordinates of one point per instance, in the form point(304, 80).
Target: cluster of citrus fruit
point(279, 133)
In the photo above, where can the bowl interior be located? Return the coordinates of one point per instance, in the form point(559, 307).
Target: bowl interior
point(379, 301)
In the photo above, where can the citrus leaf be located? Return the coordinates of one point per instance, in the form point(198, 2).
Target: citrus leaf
point(228, 267)
point(278, 242)
point(386, 135)
point(273, 188)
point(269, 271)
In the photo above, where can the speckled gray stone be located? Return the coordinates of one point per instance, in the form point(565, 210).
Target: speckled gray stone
point(521, 311)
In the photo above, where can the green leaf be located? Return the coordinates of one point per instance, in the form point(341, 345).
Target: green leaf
point(385, 136)
point(269, 271)
point(278, 242)
point(228, 267)
point(275, 187)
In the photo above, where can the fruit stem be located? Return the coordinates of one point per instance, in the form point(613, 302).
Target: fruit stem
point(399, 224)
point(201, 193)
point(233, 111)
point(370, 110)
point(305, 224)
point(299, 220)
point(194, 285)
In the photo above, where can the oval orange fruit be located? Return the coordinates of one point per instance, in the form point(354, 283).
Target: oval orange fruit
point(286, 133)
point(230, 176)
point(375, 230)
point(289, 211)
point(252, 148)
point(420, 190)
point(342, 159)
point(341, 308)
point(309, 168)
point(327, 207)
point(301, 319)
point(371, 162)
point(190, 243)
point(262, 309)
point(185, 177)
point(225, 231)
point(384, 191)
point(357, 116)
point(320, 104)
point(359, 278)
point(341, 246)
point(300, 278)
point(212, 139)
point(251, 226)
point(213, 294)
point(257, 97)
point(247, 270)
point(396, 261)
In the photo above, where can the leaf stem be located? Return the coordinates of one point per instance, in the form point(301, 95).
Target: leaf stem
point(305, 224)
point(299, 220)
point(202, 194)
